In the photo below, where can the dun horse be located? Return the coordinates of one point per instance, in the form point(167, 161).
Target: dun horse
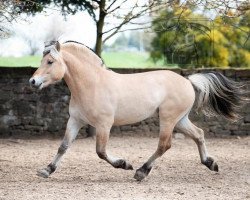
point(103, 98)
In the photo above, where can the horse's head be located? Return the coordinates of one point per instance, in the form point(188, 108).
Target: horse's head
point(52, 68)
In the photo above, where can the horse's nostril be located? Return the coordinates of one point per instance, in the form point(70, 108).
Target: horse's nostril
point(33, 82)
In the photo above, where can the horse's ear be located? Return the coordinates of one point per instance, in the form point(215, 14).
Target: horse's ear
point(57, 46)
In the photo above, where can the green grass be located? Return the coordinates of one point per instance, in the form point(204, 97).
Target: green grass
point(129, 60)
point(24, 61)
point(111, 59)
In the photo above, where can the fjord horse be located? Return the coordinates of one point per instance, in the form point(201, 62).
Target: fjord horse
point(103, 98)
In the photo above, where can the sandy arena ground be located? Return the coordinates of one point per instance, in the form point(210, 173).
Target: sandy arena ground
point(82, 175)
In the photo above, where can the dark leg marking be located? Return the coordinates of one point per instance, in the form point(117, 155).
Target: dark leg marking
point(211, 164)
point(51, 168)
point(62, 149)
point(102, 155)
point(142, 172)
point(123, 164)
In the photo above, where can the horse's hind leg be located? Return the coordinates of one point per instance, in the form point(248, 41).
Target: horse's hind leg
point(163, 145)
point(197, 134)
point(102, 137)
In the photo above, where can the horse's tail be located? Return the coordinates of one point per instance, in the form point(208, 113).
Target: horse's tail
point(216, 94)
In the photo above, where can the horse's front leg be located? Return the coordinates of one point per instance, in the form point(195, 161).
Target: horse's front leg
point(73, 127)
point(102, 137)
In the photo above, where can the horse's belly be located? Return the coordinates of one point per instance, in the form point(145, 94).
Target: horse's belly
point(136, 109)
point(133, 116)
point(138, 103)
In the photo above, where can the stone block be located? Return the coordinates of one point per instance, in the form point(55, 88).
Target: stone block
point(3, 110)
point(230, 73)
point(145, 129)
point(247, 119)
point(56, 125)
point(240, 132)
point(4, 131)
point(242, 74)
point(154, 129)
point(244, 127)
point(220, 132)
point(116, 130)
point(126, 128)
point(33, 128)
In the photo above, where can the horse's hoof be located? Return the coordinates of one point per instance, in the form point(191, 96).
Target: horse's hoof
point(142, 173)
point(129, 167)
point(139, 175)
point(43, 173)
point(214, 167)
point(211, 164)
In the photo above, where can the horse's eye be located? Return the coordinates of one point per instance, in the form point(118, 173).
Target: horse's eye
point(50, 62)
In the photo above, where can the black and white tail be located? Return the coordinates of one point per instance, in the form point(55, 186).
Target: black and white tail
point(216, 94)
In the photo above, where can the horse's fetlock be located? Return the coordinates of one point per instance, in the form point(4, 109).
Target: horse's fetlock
point(51, 168)
point(211, 164)
point(120, 164)
point(101, 154)
point(123, 164)
point(168, 146)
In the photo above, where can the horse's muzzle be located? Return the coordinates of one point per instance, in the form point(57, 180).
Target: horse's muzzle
point(35, 83)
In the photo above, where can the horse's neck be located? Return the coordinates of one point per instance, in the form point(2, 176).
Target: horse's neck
point(81, 74)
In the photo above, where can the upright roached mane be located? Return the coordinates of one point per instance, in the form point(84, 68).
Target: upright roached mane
point(103, 98)
point(52, 48)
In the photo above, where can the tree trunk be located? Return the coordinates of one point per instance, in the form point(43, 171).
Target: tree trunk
point(98, 48)
point(99, 28)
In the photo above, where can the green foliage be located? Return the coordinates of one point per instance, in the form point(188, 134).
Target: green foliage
point(185, 38)
point(66, 6)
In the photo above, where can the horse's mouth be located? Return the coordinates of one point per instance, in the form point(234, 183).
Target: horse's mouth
point(40, 86)
point(37, 86)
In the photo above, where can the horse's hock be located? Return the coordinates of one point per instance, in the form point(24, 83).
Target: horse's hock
point(25, 112)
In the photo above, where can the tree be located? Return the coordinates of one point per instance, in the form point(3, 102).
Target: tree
point(183, 37)
point(174, 35)
point(8, 13)
point(110, 16)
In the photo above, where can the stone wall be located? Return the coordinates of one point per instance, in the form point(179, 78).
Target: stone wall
point(25, 112)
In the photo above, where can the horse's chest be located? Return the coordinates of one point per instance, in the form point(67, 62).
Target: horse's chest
point(81, 113)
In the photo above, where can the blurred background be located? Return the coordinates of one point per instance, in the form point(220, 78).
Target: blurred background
point(130, 34)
